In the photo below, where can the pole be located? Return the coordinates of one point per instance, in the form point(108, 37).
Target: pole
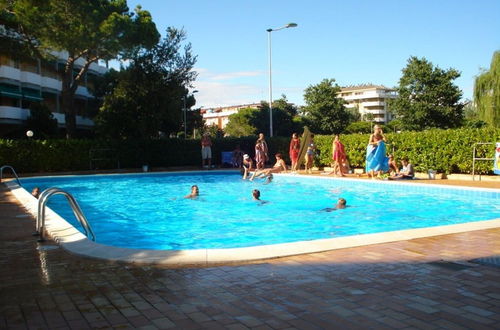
point(185, 117)
point(270, 87)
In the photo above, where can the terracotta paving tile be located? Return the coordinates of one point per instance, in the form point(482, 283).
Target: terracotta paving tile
point(394, 285)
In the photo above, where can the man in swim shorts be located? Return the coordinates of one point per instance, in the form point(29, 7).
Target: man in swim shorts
point(206, 151)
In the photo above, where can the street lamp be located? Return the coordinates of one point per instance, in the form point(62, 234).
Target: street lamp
point(289, 25)
point(185, 111)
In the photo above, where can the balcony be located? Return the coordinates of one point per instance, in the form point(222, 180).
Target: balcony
point(83, 91)
point(373, 104)
point(9, 72)
point(18, 115)
point(374, 112)
point(13, 113)
point(31, 78)
point(51, 83)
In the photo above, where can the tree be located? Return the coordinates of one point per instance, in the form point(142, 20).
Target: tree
point(195, 121)
point(252, 121)
point(241, 123)
point(487, 93)
point(363, 127)
point(148, 96)
point(427, 97)
point(41, 121)
point(325, 110)
point(87, 31)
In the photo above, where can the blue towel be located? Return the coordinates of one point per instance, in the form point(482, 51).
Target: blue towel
point(376, 159)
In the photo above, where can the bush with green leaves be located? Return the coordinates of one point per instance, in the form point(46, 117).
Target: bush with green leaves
point(447, 151)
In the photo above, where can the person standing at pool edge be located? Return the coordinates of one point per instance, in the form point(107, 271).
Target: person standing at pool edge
point(265, 149)
point(294, 151)
point(376, 160)
point(338, 156)
point(309, 158)
point(206, 151)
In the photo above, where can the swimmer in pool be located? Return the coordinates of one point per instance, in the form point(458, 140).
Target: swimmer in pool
point(341, 204)
point(256, 196)
point(36, 192)
point(195, 192)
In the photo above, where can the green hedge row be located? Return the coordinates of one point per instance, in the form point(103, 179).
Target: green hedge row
point(448, 151)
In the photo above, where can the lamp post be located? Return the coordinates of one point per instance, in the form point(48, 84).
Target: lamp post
point(289, 25)
point(185, 113)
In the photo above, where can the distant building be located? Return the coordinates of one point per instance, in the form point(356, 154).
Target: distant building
point(25, 82)
point(220, 116)
point(369, 100)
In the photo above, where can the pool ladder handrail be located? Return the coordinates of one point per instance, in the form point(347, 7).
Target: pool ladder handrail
point(77, 211)
point(13, 171)
point(474, 158)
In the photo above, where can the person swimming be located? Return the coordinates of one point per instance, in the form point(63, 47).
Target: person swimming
point(195, 192)
point(256, 196)
point(35, 192)
point(341, 204)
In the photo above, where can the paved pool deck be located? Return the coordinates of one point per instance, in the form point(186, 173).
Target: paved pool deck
point(424, 283)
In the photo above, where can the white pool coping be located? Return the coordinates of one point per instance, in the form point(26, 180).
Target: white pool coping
point(72, 240)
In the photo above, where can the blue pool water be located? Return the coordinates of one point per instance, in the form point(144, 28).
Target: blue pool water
point(149, 211)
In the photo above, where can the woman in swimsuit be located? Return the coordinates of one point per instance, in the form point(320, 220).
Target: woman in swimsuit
point(279, 166)
point(294, 151)
point(376, 160)
point(311, 149)
point(339, 157)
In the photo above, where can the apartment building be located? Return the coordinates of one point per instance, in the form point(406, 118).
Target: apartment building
point(27, 81)
point(370, 101)
point(220, 116)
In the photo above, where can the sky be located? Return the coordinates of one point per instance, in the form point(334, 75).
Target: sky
point(353, 42)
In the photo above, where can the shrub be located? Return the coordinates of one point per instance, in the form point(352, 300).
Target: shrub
point(448, 151)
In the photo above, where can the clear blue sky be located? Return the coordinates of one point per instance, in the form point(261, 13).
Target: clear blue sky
point(352, 42)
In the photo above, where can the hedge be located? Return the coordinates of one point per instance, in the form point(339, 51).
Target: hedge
point(447, 151)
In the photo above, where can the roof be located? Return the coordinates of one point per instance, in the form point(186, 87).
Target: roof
point(364, 87)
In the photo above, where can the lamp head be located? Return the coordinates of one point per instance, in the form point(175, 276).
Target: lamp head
point(290, 25)
point(29, 133)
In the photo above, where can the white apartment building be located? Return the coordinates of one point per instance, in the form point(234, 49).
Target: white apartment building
point(220, 116)
point(369, 100)
point(24, 82)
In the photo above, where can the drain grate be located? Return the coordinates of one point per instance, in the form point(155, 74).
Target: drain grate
point(450, 265)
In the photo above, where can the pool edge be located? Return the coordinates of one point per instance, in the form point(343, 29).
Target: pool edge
point(70, 239)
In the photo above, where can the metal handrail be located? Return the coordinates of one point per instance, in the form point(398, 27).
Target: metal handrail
point(77, 211)
point(13, 171)
point(474, 158)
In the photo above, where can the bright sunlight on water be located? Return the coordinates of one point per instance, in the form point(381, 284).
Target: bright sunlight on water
point(149, 210)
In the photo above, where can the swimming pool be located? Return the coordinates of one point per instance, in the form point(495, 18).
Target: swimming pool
point(148, 211)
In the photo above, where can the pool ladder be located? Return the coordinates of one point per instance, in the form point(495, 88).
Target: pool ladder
point(42, 201)
point(77, 211)
point(13, 172)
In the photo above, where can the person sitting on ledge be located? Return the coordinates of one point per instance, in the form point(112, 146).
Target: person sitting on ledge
point(406, 173)
point(279, 166)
